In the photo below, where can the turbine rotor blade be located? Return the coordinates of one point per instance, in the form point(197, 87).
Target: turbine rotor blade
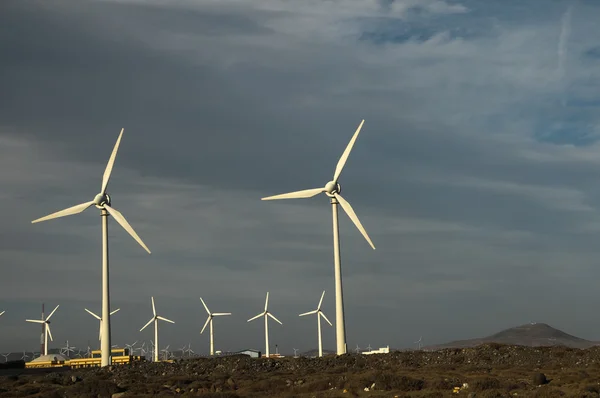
point(66, 212)
point(324, 317)
point(205, 324)
point(221, 313)
point(94, 315)
point(344, 158)
point(1, 313)
point(49, 332)
point(121, 220)
point(321, 301)
point(348, 209)
point(309, 313)
point(273, 316)
point(267, 302)
point(256, 317)
point(34, 321)
point(149, 322)
point(164, 319)
point(52, 313)
point(307, 193)
point(153, 307)
point(111, 162)
point(100, 332)
point(115, 311)
point(205, 307)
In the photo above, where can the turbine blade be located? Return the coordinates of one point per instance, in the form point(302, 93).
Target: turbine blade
point(49, 332)
point(205, 307)
point(342, 161)
point(221, 313)
point(111, 162)
point(309, 313)
point(346, 206)
point(267, 302)
point(205, 324)
point(94, 315)
point(66, 212)
point(256, 317)
point(52, 313)
point(149, 322)
point(1, 313)
point(324, 317)
point(164, 319)
point(100, 332)
point(121, 220)
point(307, 193)
point(273, 316)
point(34, 321)
point(115, 311)
point(321, 301)
point(153, 307)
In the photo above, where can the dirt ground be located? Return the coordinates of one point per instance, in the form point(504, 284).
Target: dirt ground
point(489, 370)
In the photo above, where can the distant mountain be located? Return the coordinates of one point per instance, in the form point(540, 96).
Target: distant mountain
point(531, 334)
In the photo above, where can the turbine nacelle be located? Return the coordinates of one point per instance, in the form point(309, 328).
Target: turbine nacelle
point(331, 188)
point(102, 199)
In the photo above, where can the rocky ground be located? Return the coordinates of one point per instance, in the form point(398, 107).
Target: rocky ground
point(490, 370)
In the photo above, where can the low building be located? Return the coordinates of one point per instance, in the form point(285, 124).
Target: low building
point(382, 350)
point(251, 353)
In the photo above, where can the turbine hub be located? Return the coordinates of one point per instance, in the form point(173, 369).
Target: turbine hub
point(331, 188)
point(102, 199)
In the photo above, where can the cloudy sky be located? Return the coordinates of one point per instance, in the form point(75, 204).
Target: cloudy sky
point(476, 174)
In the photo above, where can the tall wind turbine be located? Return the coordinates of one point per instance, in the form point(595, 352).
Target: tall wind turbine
point(332, 189)
point(266, 314)
point(210, 320)
point(155, 319)
point(103, 202)
point(100, 319)
point(47, 332)
point(319, 315)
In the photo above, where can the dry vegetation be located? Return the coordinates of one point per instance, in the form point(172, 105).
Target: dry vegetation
point(490, 370)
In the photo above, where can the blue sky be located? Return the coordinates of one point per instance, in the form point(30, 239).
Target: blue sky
point(475, 173)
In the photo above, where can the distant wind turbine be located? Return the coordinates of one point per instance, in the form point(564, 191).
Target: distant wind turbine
point(332, 189)
point(155, 319)
point(209, 320)
point(418, 342)
point(100, 319)
point(266, 314)
point(47, 332)
point(103, 202)
point(319, 315)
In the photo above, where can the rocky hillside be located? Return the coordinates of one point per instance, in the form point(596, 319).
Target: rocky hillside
point(531, 335)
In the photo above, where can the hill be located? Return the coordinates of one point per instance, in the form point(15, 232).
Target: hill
point(531, 335)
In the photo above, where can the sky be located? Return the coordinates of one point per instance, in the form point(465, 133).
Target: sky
point(476, 173)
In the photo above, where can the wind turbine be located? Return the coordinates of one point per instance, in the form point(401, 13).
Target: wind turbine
point(155, 319)
point(210, 320)
point(319, 315)
point(332, 189)
point(418, 342)
point(6, 357)
point(103, 202)
point(266, 314)
point(47, 332)
point(67, 349)
point(100, 319)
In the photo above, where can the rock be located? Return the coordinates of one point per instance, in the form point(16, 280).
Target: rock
point(118, 395)
point(539, 379)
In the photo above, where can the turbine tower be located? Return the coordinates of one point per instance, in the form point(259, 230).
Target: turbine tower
point(100, 319)
point(47, 332)
point(266, 314)
point(319, 315)
point(155, 319)
point(332, 189)
point(210, 320)
point(103, 202)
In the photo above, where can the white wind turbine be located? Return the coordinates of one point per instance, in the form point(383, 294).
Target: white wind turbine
point(210, 320)
point(332, 189)
point(155, 319)
point(100, 319)
point(47, 332)
point(319, 315)
point(266, 314)
point(103, 202)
